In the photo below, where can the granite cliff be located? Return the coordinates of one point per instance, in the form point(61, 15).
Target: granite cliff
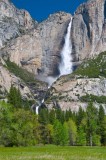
point(89, 29)
point(13, 22)
point(39, 50)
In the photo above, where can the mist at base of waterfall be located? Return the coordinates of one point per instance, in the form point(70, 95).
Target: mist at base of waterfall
point(49, 79)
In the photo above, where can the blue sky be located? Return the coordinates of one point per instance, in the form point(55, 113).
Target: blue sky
point(40, 9)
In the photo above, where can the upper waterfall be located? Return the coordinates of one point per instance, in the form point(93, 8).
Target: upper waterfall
point(65, 66)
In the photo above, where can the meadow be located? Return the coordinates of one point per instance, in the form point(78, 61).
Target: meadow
point(51, 152)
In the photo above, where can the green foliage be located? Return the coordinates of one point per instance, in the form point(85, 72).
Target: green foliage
point(52, 116)
point(59, 133)
point(20, 72)
point(93, 98)
point(49, 129)
point(43, 116)
point(81, 136)
point(65, 134)
point(14, 97)
point(80, 115)
point(72, 130)
point(68, 115)
point(60, 115)
point(92, 127)
point(93, 68)
point(96, 140)
point(102, 126)
point(18, 127)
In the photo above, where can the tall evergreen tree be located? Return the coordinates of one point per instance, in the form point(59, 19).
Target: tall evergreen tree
point(102, 125)
point(79, 117)
point(60, 115)
point(52, 116)
point(65, 140)
point(59, 134)
point(81, 137)
point(44, 116)
point(49, 129)
point(72, 130)
point(14, 97)
point(68, 115)
point(92, 127)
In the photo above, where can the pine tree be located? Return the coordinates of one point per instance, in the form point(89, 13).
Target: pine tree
point(19, 98)
point(43, 134)
point(65, 140)
point(11, 95)
point(92, 127)
point(14, 97)
point(81, 138)
point(52, 116)
point(80, 115)
point(68, 115)
point(102, 125)
point(57, 132)
point(72, 130)
point(44, 116)
point(49, 129)
point(60, 115)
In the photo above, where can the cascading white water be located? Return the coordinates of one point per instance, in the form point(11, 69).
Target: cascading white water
point(37, 107)
point(37, 110)
point(65, 66)
point(50, 81)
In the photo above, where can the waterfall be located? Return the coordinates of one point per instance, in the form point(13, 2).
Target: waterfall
point(37, 107)
point(37, 110)
point(65, 66)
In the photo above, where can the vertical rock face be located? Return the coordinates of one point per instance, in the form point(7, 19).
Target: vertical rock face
point(52, 32)
point(89, 29)
point(39, 50)
point(13, 22)
point(25, 51)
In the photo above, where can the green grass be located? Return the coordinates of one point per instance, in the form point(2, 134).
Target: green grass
point(53, 153)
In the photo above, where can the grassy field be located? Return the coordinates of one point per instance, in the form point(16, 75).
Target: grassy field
point(53, 153)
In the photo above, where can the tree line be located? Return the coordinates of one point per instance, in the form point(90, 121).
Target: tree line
point(19, 126)
point(84, 128)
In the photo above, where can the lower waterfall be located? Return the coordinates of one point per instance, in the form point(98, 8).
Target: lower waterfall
point(37, 107)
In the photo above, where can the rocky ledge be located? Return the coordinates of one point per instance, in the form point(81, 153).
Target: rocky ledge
point(86, 84)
